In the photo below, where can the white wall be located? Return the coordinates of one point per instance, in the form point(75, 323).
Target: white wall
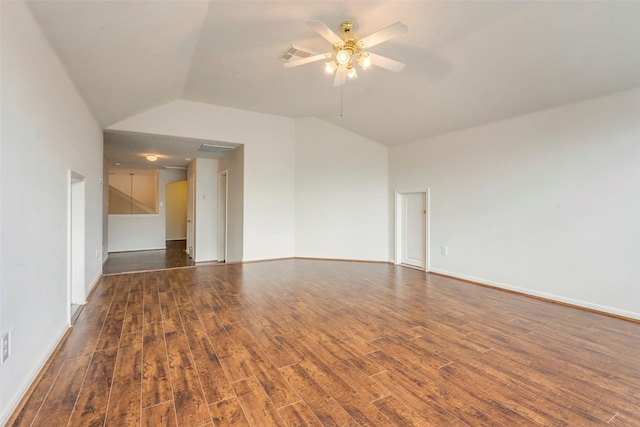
point(143, 232)
point(268, 165)
point(46, 130)
point(206, 210)
point(233, 163)
point(136, 233)
point(341, 193)
point(547, 203)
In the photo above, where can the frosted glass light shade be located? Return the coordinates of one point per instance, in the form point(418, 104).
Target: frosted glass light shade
point(342, 57)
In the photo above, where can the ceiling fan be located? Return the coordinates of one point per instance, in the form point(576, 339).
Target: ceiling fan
point(348, 49)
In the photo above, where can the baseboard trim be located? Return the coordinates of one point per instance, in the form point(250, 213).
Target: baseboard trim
point(13, 410)
point(26, 391)
point(159, 248)
point(556, 299)
point(413, 267)
point(95, 282)
point(370, 261)
point(93, 288)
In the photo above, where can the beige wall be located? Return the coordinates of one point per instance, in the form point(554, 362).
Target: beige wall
point(176, 210)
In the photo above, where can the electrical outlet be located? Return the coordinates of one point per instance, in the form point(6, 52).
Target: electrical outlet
point(5, 348)
point(444, 250)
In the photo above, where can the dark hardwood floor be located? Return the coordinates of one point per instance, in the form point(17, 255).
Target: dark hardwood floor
point(304, 342)
point(172, 257)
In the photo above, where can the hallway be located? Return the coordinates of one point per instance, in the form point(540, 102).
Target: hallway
point(127, 262)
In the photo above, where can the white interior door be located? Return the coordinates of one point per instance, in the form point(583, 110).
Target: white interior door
point(413, 228)
point(191, 216)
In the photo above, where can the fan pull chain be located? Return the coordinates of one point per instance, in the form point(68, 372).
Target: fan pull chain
point(341, 86)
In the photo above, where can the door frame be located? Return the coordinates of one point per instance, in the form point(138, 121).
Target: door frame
point(398, 227)
point(191, 215)
point(223, 210)
point(76, 241)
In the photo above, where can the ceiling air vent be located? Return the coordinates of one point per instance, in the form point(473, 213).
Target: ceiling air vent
point(209, 148)
point(296, 52)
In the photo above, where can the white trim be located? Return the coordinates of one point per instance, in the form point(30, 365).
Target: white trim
point(578, 303)
point(159, 248)
point(76, 276)
point(75, 176)
point(414, 267)
point(134, 215)
point(223, 220)
point(95, 281)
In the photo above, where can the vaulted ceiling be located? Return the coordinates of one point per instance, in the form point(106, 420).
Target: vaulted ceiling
point(468, 63)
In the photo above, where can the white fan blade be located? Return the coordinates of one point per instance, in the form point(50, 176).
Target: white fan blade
point(386, 63)
point(341, 76)
point(393, 30)
point(320, 28)
point(307, 60)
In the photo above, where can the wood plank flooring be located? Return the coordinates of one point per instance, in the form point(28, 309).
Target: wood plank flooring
point(312, 343)
point(172, 257)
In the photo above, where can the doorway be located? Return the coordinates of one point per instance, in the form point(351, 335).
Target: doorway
point(223, 186)
point(412, 229)
point(76, 295)
point(176, 210)
point(191, 215)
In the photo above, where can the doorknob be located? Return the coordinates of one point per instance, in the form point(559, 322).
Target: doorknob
point(424, 211)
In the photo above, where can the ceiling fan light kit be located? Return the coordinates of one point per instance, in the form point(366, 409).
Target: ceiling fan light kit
point(343, 57)
point(351, 71)
point(331, 66)
point(349, 49)
point(364, 60)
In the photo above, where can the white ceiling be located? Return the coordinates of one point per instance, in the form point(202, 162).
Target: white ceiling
point(468, 63)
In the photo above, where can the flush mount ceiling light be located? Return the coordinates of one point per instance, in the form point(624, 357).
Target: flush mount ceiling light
point(152, 158)
point(348, 49)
